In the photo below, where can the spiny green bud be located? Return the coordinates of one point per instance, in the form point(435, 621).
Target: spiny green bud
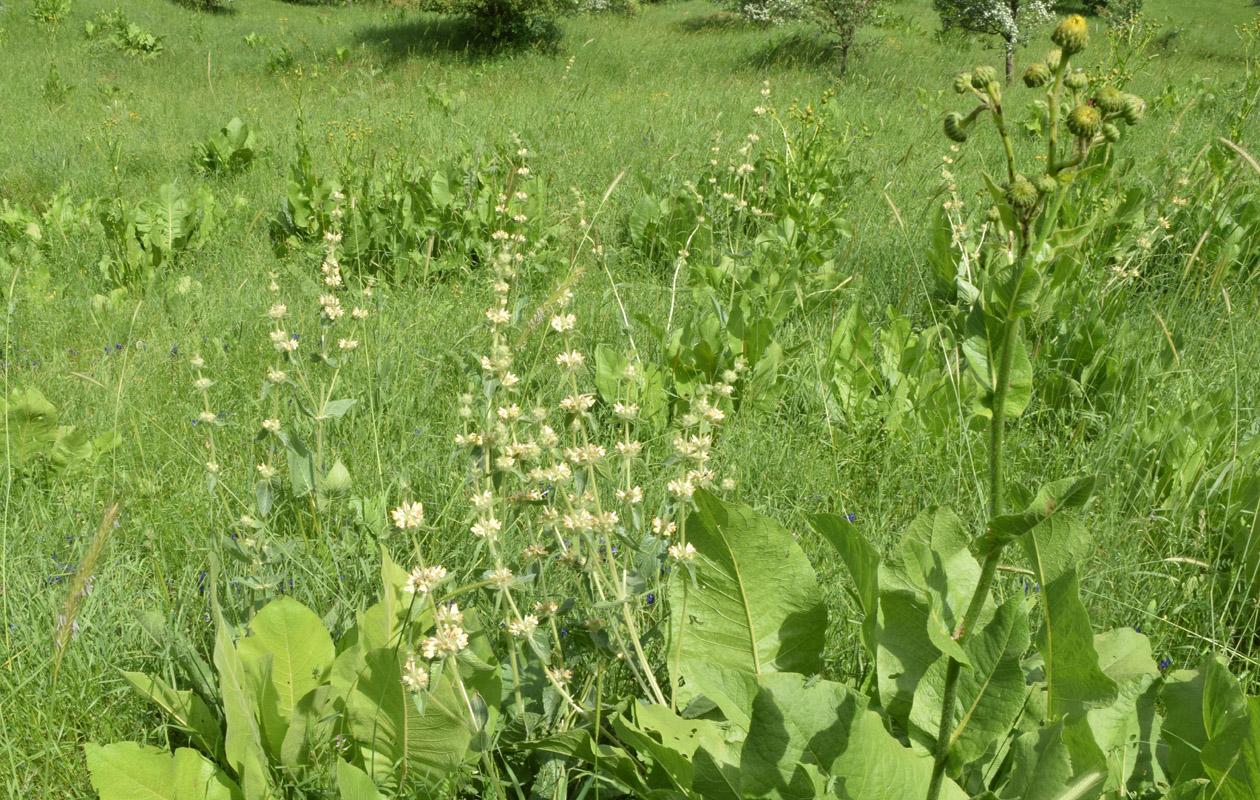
point(1134, 108)
point(981, 77)
point(1053, 59)
point(1084, 121)
point(1110, 132)
point(962, 82)
point(1037, 75)
point(1076, 81)
point(994, 215)
point(1047, 184)
point(1072, 35)
point(1109, 100)
point(1022, 194)
point(954, 128)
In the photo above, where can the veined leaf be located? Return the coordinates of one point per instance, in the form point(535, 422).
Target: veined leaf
point(1074, 679)
point(243, 742)
point(354, 784)
point(983, 347)
point(187, 710)
point(1200, 703)
point(990, 695)
point(1053, 498)
point(862, 561)
point(755, 604)
point(1231, 757)
point(302, 653)
point(131, 771)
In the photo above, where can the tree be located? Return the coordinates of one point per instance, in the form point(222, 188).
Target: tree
point(842, 19)
point(1010, 19)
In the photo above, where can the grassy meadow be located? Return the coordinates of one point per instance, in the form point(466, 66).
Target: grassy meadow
point(618, 108)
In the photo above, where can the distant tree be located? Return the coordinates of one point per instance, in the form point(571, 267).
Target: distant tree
point(1010, 19)
point(841, 19)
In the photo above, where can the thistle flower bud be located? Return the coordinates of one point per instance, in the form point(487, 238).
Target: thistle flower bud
point(1077, 81)
point(1053, 59)
point(981, 77)
point(1084, 121)
point(1109, 100)
point(1072, 35)
point(1022, 194)
point(994, 215)
point(954, 128)
point(1134, 108)
point(1110, 132)
point(962, 82)
point(1047, 184)
point(1037, 75)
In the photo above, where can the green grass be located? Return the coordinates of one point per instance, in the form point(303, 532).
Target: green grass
point(647, 96)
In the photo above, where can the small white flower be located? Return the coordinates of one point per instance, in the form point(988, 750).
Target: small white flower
point(197, 361)
point(501, 577)
point(271, 425)
point(201, 384)
point(563, 322)
point(487, 528)
point(277, 311)
point(266, 472)
point(499, 316)
point(423, 579)
point(570, 360)
point(682, 553)
point(524, 626)
point(682, 488)
point(207, 416)
point(212, 467)
point(359, 313)
point(408, 515)
point(347, 344)
point(415, 677)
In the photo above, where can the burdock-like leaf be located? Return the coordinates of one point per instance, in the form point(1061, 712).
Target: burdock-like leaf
point(755, 604)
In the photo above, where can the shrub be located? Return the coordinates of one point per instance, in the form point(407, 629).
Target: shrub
point(230, 150)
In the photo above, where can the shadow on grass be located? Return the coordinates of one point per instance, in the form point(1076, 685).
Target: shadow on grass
point(442, 37)
point(718, 22)
point(797, 50)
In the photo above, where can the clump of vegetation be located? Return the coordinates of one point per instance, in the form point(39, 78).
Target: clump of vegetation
point(122, 33)
point(229, 151)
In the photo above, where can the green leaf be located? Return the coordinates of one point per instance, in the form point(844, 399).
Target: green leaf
point(982, 345)
point(1041, 766)
point(803, 730)
point(1074, 679)
point(336, 409)
point(850, 360)
point(936, 561)
point(131, 771)
point(668, 743)
point(1053, 498)
point(301, 653)
point(188, 710)
point(755, 604)
point(862, 561)
point(731, 690)
point(354, 784)
point(1200, 704)
point(243, 743)
point(1054, 547)
point(1015, 291)
point(612, 761)
point(1231, 757)
point(394, 734)
point(991, 694)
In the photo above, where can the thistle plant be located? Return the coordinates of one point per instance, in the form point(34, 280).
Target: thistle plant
point(1026, 218)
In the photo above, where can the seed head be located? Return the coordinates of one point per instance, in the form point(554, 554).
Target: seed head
point(1022, 194)
point(1072, 35)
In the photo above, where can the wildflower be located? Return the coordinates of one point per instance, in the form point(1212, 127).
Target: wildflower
point(206, 416)
point(332, 238)
point(534, 551)
point(523, 172)
point(560, 675)
point(563, 322)
point(277, 311)
point(501, 577)
point(197, 361)
point(728, 484)
point(759, 110)
point(359, 313)
point(408, 515)
point(331, 307)
point(626, 411)
point(266, 472)
point(577, 403)
point(509, 380)
point(681, 489)
point(633, 495)
point(447, 640)
point(744, 169)
point(547, 436)
point(629, 449)
point(662, 528)
point(201, 384)
point(570, 360)
point(275, 375)
point(509, 413)
point(523, 627)
point(414, 676)
point(212, 467)
point(682, 552)
point(487, 528)
point(423, 579)
point(448, 614)
point(499, 316)
point(483, 500)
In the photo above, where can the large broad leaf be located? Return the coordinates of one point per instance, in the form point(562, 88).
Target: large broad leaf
point(937, 562)
point(668, 744)
point(983, 348)
point(165, 222)
point(1201, 704)
point(1053, 499)
point(188, 711)
point(354, 784)
point(301, 653)
point(131, 771)
point(243, 742)
point(991, 693)
point(804, 731)
point(755, 604)
point(850, 361)
point(1074, 679)
point(612, 761)
point(862, 561)
point(1040, 766)
point(1231, 757)
point(397, 739)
